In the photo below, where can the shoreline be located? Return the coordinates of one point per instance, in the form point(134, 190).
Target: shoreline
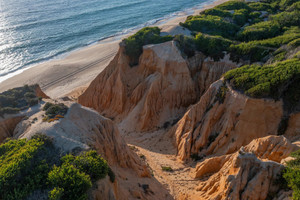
point(72, 72)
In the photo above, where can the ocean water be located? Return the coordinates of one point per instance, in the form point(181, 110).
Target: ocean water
point(33, 31)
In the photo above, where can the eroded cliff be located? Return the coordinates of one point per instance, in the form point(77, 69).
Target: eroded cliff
point(156, 92)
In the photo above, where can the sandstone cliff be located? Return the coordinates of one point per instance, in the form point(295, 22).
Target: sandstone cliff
point(223, 121)
point(157, 91)
point(249, 173)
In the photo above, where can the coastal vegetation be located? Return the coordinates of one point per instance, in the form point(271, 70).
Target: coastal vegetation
point(35, 165)
point(292, 174)
point(247, 30)
point(278, 80)
point(14, 100)
point(54, 111)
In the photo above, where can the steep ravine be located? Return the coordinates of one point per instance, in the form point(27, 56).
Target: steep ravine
point(175, 113)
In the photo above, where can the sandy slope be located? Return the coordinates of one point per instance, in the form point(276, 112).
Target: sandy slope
point(61, 77)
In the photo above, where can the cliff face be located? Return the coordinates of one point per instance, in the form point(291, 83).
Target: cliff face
point(241, 176)
point(223, 121)
point(82, 129)
point(157, 91)
point(7, 126)
point(249, 173)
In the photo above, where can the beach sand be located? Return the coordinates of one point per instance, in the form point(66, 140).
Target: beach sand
point(69, 76)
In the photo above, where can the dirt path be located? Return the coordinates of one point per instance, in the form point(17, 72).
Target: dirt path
point(157, 150)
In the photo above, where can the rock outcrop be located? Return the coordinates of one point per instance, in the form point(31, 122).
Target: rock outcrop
point(7, 126)
point(241, 176)
point(223, 121)
point(83, 129)
point(157, 91)
point(250, 173)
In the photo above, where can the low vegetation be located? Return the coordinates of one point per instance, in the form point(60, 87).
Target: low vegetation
point(250, 31)
point(167, 168)
point(279, 80)
point(17, 99)
point(292, 174)
point(54, 111)
point(35, 164)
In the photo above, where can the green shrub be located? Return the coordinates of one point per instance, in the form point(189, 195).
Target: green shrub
point(294, 43)
point(73, 182)
point(292, 174)
point(209, 24)
point(248, 51)
point(167, 168)
point(134, 44)
point(286, 3)
point(88, 162)
point(53, 110)
point(111, 175)
point(240, 17)
point(212, 45)
point(24, 167)
point(216, 12)
point(28, 166)
point(259, 31)
point(233, 5)
point(259, 6)
point(294, 6)
point(287, 18)
point(14, 100)
point(186, 45)
point(56, 193)
point(276, 80)
point(254, 15)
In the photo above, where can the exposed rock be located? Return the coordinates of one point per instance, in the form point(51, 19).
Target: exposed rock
point(223, 121)
point(83, 129)
point(39, 92)
point(241, 176)
point(7, 126)
point(293, 128)
point(157, 91)
point(275, 148)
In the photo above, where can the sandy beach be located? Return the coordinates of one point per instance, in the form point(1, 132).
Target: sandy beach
point(70, 75)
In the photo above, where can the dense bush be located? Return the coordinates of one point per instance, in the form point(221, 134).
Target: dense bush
point(292, 174)
point(286, 18)
point(259, 31)
point(248, 51)
point(14, 100)
point(54, 110)
point(259, 6)
point(32, 165)
point(24, 166)
point(217, 12)
point(233, 5)
point(134, 44)
point(88, 162)
point(212, 45)
point(72, 182)
point(274, 80)
point(209, 24)
point(240, 17)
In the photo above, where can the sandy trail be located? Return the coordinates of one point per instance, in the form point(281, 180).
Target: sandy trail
point(157, 150)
